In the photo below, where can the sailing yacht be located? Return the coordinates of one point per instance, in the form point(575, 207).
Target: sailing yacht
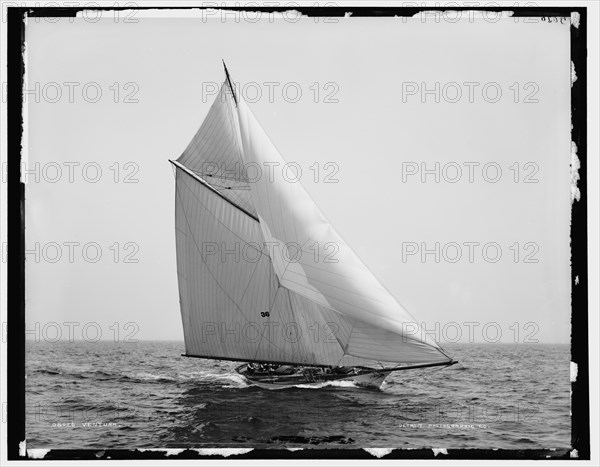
point(265, 279)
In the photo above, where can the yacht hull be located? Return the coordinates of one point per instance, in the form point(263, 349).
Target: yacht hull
point(315, 379)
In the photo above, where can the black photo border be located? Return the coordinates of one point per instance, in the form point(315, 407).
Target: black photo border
point(580, 432)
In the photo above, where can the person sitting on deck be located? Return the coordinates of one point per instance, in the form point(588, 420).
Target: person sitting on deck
point(284, 370)
point(342, 370)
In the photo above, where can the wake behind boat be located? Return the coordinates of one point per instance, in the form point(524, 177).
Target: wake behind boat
point(264, 278)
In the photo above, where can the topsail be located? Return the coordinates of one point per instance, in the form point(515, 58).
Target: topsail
point(263, 276)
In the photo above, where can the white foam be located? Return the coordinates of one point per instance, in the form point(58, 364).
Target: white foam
point(173, 452)
point(575, 18)
point(37, 453)
point(168, 452)
point(574, 370)
point(575, 166)
point(225, 452)
point(378, 452)
point(339, 384)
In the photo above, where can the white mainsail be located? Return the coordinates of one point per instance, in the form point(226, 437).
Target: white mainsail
point(257, 280)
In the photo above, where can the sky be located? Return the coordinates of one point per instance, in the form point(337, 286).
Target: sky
point(361, 109)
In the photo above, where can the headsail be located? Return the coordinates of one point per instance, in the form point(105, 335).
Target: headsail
point(257, 279)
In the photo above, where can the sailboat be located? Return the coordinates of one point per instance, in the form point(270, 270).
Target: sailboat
point(266, 280)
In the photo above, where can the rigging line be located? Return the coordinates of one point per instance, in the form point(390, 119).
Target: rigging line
point(214, 179)
point(235, 195)
point(213, 184)
point(230, 187)
point(241, 202)
point(222, 177)
point(442, 351)
point(210, 272)
point(220, 222)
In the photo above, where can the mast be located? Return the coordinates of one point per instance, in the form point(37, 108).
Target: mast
point(229, 82)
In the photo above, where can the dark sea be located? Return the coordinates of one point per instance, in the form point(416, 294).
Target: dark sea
point(83, 395)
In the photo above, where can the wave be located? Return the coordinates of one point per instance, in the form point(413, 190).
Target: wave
point(48, 372)
point(78, 373)
point(228, 380)
point(145, 376)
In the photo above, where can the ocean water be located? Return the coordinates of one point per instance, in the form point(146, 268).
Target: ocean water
point(83, 395)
